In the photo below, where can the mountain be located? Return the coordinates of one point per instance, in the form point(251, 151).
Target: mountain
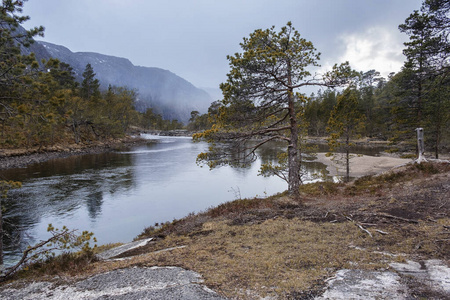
point(162, 90)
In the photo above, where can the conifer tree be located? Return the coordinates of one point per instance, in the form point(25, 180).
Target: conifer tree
point(14, 67)
point(427, 68)
point(346, 123)
point(261, 99)
point(90, 86)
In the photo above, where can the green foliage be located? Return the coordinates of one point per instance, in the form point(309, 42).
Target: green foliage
point(61, 240)
point(417, 96)
point(12, 63)
point(320, 188)
point(198, 122)
point(425, 84)
point(5, 186)
point(345, 124)
point(41, 104)
point(318, 110)
point(68, 239)
point(279, 169)
point(90, 86)
point(261, 101)
point(154, 121)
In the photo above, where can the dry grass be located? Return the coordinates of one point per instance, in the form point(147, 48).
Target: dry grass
point(247, 249)
point(271, 258)
point(284, 257)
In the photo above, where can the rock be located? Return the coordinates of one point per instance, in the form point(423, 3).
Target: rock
point(361, 284)
point(433, 273)
point(131, 283)
point(122, 249)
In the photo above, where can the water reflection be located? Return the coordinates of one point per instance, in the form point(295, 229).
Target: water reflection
point(116, 195)
point(59, 190)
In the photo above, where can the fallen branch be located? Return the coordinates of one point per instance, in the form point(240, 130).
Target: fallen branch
point(368, 224)
point(381, 231)
point(359, 225)
point(25, 254)
point(397, 218)
point(363, 229)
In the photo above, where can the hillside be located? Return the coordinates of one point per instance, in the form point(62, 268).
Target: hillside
point(162, 90)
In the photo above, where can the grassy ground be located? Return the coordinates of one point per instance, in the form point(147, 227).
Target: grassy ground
point(254, 248)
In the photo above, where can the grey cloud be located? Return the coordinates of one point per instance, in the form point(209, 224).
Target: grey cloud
point(192, 37)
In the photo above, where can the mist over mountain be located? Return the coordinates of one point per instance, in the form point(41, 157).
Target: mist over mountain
point(162, 90)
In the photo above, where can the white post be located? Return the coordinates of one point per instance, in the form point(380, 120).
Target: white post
point(420, 145)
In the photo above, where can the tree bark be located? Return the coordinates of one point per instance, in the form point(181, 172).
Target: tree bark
point(347, 156)
point(1, 237)
point(293, 155)
point(420, 146)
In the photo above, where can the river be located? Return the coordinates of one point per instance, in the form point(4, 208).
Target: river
point(116, 195)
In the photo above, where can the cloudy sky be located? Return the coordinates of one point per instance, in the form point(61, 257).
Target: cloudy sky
point(192, 38)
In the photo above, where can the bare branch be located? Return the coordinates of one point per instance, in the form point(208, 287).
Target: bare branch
point(25, 257)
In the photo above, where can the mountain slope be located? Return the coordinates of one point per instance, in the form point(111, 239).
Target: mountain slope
point(162, 90)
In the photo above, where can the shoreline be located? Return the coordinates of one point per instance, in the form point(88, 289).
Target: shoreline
point(362, 165)
point(19, 158)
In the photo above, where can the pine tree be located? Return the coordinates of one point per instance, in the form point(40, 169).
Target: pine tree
point(427, 67)
point(90, 86)
point(261, 99)
point(346, 123)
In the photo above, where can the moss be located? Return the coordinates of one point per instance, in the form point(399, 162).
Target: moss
point(427, 168)
point(392, 150)
point(238, 206)
point(320, 188)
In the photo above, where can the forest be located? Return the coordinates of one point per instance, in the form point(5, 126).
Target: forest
point(42, 104)
point(386, 109)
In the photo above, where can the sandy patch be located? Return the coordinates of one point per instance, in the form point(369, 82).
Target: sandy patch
point(361, 165)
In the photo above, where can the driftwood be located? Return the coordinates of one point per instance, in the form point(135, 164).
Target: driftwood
point(396, 218)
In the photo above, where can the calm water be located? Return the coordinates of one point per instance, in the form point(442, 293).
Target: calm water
point(117, 195)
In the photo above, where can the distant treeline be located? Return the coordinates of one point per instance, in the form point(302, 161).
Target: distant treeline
point(392, 108)
point(41, 103)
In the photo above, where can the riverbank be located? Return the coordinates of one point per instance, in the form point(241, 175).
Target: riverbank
point(364, 238)
point(360, 165)
point(18, 158)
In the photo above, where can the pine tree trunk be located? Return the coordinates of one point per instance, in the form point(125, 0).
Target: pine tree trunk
point(294, 163)
point(293, 155)
point(438, 139)
point(347, 158)
point(1, 237)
